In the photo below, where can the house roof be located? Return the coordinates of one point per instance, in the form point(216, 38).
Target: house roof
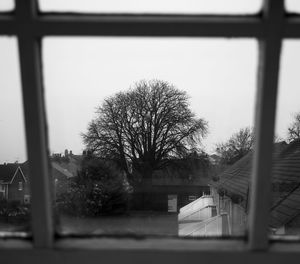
point(69, 167)
point(235, 179)
point(7, 171)
point(285, 173)
point(286, 169)
point(286, 209)
point(59, 169)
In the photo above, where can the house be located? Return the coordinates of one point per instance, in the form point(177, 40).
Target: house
point(69, 164)
point(64, 168)
point(172, 187)
point(230, 194)
point(14, 184)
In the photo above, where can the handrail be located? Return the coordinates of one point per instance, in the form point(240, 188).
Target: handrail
point(184, 208)
point(181, 218)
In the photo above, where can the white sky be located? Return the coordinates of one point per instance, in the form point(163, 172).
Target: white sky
point(6, 5)
point(218, 74)
point(213, 72)
point(158, 6)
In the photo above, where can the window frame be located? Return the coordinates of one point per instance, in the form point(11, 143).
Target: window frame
point(269, 27)
point(20, 186)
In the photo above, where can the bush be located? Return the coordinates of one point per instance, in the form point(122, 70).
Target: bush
point(14, 211)
point(99, 189)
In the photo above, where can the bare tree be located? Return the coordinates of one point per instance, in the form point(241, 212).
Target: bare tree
point(239, 144)
point(294, 128)
point(146, 126)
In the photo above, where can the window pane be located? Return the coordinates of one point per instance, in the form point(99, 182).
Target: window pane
point(285, 210)
point(292, 6)
point(141, 163)
point(7, 5)
point(154, 6)
point(14, 208)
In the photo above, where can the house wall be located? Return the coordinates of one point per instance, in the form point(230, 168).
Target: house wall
point(238, 220)
point(60, 183)
point(14, 194)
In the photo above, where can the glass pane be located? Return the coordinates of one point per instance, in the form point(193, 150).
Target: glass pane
point(292, 6)
point(285, 210)
point(14, 179)
point(143, 117)
point(154, 6)
point(7, 5)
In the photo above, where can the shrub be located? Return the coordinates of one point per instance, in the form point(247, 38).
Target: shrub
point(99, 189)
point(14, 211)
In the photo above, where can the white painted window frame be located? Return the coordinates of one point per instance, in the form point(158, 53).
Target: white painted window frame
point(269, 27)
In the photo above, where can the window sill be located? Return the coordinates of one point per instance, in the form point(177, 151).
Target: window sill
point(124, 250)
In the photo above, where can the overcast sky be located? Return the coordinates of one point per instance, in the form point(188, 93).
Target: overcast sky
point(218, 74)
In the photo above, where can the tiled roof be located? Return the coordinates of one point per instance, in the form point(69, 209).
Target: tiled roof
point(59, 171)
point(71, 167)
point(286, 172)
point(235, 180)
point(286, 209)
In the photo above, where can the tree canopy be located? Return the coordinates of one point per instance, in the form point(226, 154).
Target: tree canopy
point(239, 144)
point(145, 126)
point(294, 128)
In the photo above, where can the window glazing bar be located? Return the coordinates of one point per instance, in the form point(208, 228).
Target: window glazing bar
point(269, 58)
point(8, 25)
point(151, 25)
point(30, 61)
point(60, 24)
point(136, 25)
point(292, 27)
